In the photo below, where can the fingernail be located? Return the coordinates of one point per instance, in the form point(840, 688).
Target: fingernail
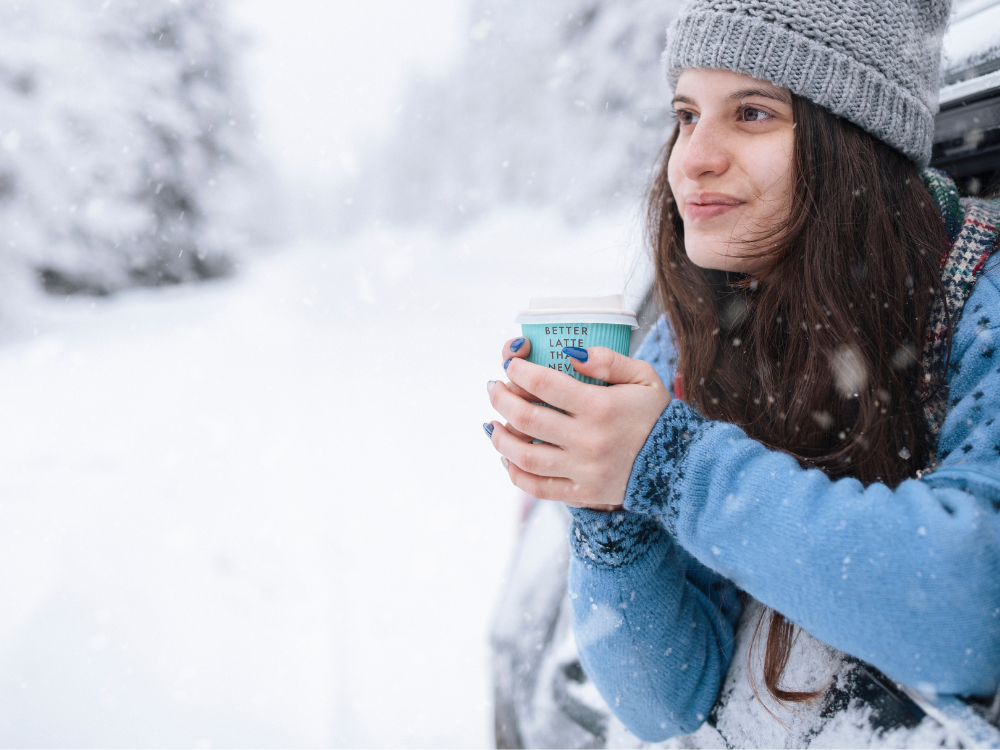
point(488, 429)
point(505, 462)
point(489, 386)
point(505, 364)
point(516, 344)
point(576, 353)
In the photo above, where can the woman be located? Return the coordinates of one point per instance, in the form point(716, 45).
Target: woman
point(827, 467)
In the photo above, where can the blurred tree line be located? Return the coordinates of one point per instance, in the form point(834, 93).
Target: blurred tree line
point(557, 103)
point(127, 151)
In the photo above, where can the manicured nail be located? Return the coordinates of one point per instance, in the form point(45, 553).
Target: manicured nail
point(489, 386)
point(506, 463)
point(576, 353)
point(516, 344)
point(506, 364)
point(488, 429)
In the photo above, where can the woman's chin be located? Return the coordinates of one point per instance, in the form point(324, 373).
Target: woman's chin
point(716, 259)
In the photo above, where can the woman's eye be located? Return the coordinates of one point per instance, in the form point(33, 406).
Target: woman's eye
point(751, 114)
point(686, 117)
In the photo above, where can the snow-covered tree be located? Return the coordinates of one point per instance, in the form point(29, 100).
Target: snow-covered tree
point(555, 103)
point(127, 151)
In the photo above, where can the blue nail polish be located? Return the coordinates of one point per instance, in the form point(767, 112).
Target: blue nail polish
point(516, 344)
point(506, 364)
point(488, 429)
point(576, 353)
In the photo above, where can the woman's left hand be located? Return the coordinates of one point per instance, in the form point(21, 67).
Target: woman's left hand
point(588, 452)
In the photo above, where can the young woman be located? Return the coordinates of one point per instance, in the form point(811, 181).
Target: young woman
point(826, 465)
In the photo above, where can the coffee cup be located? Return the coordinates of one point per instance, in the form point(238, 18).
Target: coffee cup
point(551, 323)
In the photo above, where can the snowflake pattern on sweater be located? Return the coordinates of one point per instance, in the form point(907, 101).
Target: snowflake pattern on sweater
point(611, 540)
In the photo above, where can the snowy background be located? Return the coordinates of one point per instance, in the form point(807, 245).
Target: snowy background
point(257, 260)
point(256, 263)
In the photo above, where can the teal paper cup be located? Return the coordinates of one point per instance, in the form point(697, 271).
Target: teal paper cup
point(550, 323)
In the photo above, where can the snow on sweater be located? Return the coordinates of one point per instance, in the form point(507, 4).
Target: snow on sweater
point(907, 579)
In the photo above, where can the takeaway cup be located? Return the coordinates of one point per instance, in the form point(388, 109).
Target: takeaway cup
point(550, 323)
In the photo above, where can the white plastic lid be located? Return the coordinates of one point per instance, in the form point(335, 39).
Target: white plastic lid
point(607, 309)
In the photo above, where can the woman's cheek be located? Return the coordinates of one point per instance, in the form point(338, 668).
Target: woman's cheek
point(771, 173)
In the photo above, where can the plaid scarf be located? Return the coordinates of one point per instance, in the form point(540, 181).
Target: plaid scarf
point(971, 228)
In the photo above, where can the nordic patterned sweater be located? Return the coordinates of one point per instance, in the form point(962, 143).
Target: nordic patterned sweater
point(907, 579)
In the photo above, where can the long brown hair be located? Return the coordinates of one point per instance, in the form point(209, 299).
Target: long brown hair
point(816, 354)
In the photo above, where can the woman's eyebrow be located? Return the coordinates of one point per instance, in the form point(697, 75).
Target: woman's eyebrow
point(776, 94)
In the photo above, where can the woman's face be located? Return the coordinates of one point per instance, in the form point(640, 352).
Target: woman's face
point(731, 168)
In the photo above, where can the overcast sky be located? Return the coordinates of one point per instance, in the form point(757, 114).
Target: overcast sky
point(325, 76)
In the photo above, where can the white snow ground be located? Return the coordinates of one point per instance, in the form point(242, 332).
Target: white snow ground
point(263, 511)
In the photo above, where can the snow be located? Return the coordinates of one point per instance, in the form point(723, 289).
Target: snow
point(749, 717)
point(128, 154)
point(560, 103)
point(972, 36)
point(260, 511)
point(318, 122)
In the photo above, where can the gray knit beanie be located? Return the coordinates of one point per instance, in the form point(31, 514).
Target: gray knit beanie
point(873, 62)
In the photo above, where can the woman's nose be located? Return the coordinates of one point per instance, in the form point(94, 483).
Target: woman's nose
point(705, 151)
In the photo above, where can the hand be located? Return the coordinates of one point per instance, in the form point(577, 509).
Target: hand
point(589, 449)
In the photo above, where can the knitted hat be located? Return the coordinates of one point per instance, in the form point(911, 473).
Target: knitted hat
point(873, 62)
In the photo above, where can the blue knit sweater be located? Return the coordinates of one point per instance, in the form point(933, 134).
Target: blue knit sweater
point(907, 579)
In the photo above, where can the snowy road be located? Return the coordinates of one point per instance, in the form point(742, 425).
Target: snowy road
point(262, 511)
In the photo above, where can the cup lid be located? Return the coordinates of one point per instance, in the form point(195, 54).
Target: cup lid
point(609, 308)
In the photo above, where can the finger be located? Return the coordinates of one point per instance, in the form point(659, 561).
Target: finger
point(549, 386)
point(544, 488)
point(517, 391)
point(611, 367)
point(519, 347)
point(517, 433)
point(541, 459)
point(494, 426)
point(538, 421)
point(548, 488)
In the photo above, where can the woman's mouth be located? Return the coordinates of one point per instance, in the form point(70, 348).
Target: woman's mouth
point(706, 207)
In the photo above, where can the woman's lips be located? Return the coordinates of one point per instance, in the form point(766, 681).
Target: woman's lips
point(706, 208)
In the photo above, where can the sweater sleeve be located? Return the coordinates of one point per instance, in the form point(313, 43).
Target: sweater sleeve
point(907, 579)
point(654, 627)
